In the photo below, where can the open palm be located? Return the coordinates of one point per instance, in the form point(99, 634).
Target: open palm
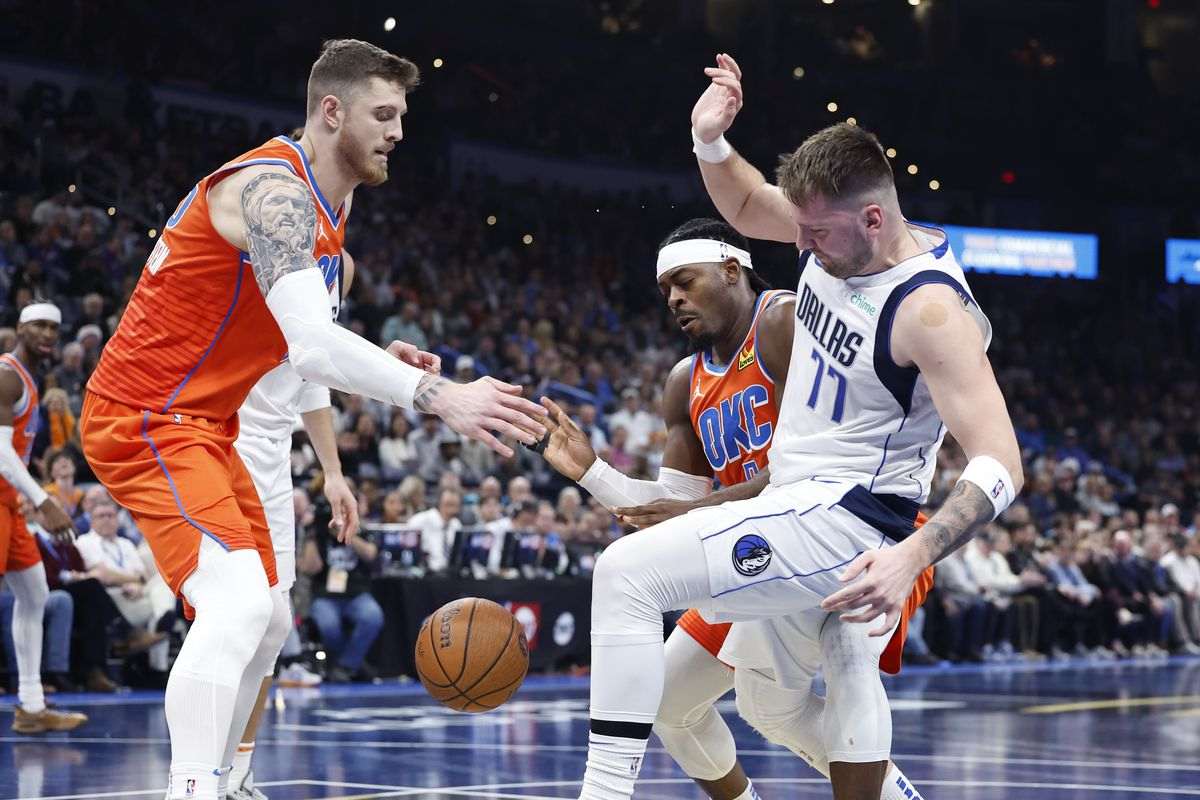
point(714, 111)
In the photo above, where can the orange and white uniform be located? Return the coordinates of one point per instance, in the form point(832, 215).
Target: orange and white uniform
point(160, 416)
point(18, 549)
point(734, 412)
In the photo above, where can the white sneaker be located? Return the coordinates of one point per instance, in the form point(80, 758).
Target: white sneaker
point(297, 675)
point(246, 791)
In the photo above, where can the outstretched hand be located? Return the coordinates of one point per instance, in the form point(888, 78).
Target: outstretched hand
point(877, 582)
point(722, 100)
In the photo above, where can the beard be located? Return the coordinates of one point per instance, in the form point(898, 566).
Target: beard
point(852, 265)
point(361, 160)
point(701, 341)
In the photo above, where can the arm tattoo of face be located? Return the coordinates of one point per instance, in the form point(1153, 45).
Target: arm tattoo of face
point(281, 226)
point(429, 387)
point(955, 523)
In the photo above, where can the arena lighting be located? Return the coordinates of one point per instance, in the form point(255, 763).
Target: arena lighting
point(493, 97)
point(437, 63)
point(491, 219)
point(111, 211)
point(798, 73)
point(831, 108)
point(935, 185)
point(527, 239)
point(912, 169)
point(827, 2)
point(1008, 176)
point(71, 188)
point(851, 121)
point(891, 152)
point(389, 24)
point(914, 2)
point(152, 232)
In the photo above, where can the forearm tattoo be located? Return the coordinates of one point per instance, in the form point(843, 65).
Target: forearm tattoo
point(955, 523)
point(281, 226)
point(428, 389)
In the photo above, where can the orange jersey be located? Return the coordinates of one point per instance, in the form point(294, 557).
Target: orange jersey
point(25, 422)
point(197, 333)
point(733, 407)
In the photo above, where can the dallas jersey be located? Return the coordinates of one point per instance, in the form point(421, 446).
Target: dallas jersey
point(850, 412)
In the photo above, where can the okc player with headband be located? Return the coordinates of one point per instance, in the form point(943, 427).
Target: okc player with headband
point(888, 353)
point(20, 561)
point(721, 407)
point(236, 283)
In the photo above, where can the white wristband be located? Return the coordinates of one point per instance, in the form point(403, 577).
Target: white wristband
point(994, 479)
point(713, 152)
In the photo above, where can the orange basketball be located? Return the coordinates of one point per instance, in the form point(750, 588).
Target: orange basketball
point(472, 655)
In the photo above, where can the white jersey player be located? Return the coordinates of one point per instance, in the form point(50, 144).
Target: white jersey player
point(266, 420)
point(888, 354)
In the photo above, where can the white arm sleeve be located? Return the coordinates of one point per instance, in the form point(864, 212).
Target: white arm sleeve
point(328, 354)
point(13, 470)
point(313, 397)
point(616, 490)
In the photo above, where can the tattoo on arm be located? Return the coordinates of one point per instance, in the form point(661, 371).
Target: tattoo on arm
point(955, 523)
point(427, 391)
point(281, 226)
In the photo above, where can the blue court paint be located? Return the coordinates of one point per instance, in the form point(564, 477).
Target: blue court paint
point(959, 732)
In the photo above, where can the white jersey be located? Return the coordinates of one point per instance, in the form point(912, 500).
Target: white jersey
point(270, 409)
point(849, 412)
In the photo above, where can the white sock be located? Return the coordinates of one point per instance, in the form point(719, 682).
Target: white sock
point(897, 786)
point(241, 764)
point(613, 764)
point(29, 605)
point(749, 794)
point(193, 782)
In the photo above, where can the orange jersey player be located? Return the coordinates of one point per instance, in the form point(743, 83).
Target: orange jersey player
point(721, 406)
point(20, 561)
point(238, 282)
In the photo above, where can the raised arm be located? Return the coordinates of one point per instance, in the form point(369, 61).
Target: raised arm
point(738, 190)
point(684, 475)
point(271, 214)
point(934, 332)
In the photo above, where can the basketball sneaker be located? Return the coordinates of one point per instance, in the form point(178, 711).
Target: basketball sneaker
point(246, 791)
point(297, 675)
point(48, 719)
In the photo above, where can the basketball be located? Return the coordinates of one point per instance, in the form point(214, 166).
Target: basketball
point(472, 655)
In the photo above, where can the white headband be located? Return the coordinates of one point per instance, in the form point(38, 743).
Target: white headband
point(698, 251)
point(35, 312)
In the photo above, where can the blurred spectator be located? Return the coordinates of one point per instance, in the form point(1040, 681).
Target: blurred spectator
point(1183, 567)
point(424, 446)
point(972, 619)
point(520, 491)
point(121, 569)
point(1077, 616)
point(69, 376)
point(491, 517)
point(405, 327)
point(438, 527)
point(1147, 616)
point(1017, 623)
point(589, 424)
point(635, 420)
point(397, 457)
point(341, 586)
point(62, 486)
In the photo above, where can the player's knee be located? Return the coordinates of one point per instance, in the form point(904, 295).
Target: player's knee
point(620, 583)
point(700, 743)
point(789, 719)
point(858, 720)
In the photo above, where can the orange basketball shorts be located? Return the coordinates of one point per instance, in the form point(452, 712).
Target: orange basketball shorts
point(18, 550)
point(182, 481)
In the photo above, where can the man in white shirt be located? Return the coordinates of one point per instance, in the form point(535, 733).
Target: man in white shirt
point(638, 422)
point(1184, 568)
point(438, 527)
point(124, 574)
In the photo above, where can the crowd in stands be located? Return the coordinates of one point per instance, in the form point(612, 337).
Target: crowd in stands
point(1099, 558)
